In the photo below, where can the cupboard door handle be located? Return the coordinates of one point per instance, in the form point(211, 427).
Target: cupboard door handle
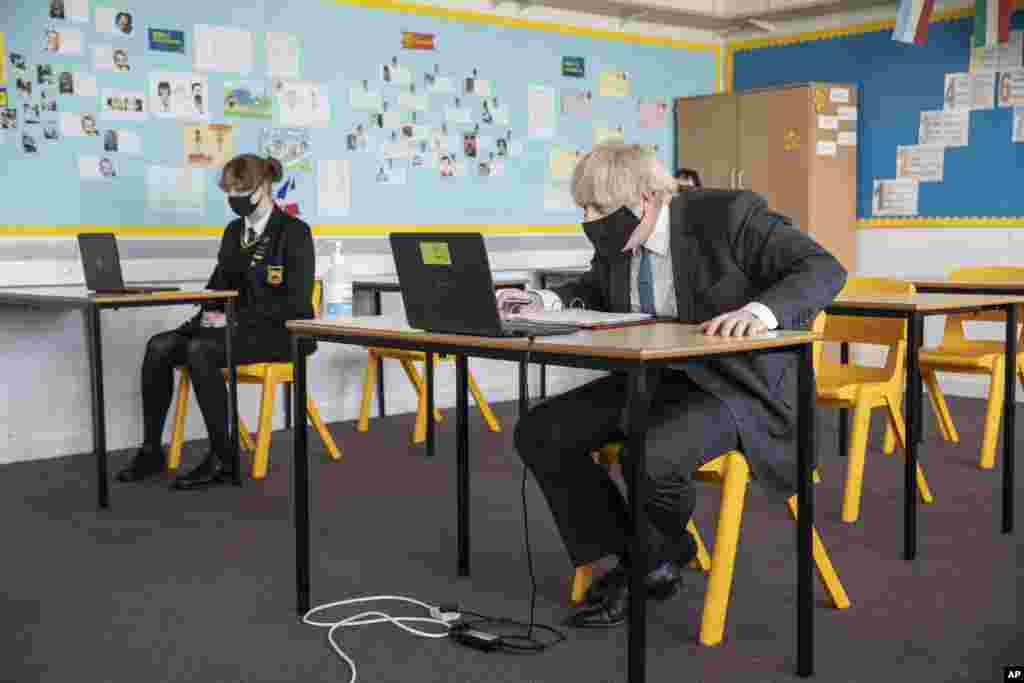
point(732, 178)
point(740, 181)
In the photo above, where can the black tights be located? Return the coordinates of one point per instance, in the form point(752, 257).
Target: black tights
point(204, 356)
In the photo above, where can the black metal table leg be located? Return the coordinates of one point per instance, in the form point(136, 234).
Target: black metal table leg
point(844, 413)
point(428, 371)
point(462, 459)
point(637, 403)
point(99, 421)
point(377, 310)
point(1009, 417)
point(288, 410)
point(300, 482)
point(805, 461)
point(229, 316)
point(912, 405)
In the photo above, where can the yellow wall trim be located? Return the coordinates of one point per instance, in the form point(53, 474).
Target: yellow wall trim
point(942, 222)
point(470, 16)
point(352, 229)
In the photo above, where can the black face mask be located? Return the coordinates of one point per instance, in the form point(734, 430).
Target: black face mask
point(610, 234)
point(243, 206)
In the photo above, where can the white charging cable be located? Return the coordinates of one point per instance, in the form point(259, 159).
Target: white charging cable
point(437, 617)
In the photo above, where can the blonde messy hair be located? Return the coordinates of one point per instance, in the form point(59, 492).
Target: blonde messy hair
point(613, 175)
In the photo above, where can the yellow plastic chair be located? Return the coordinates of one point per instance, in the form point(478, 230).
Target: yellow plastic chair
point(732, 472)
point(269, 376)
point(865, 388)
point(408, 360)
point(956, 353)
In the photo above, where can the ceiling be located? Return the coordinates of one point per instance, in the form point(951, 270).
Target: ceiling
point(673, 13)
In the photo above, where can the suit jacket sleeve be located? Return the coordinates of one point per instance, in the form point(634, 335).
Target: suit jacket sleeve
point(299, 270)
point(586, 288)
point(796, 276)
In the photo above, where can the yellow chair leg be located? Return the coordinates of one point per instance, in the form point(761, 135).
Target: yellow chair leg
point(419, 434)
point(245, 436)
point(889, 442)
point(481, 403)
point(321, 428)
point(938, 401)
point(727, 535)
point(993, 413)
point(421, 386)
point(702, 561)
point(581, 581)
point(826, 572)
point(262, 454)
point(369, 385)
point(855, 462)
point(895, 421)
point(178, 431)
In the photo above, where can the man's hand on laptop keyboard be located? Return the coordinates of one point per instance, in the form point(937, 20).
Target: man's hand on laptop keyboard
point(511, 301)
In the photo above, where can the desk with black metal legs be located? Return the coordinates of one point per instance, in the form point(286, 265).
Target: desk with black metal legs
point(914, 308)
point(91, 305)
point(634, 350)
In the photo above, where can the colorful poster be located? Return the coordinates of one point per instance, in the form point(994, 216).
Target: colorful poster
point(284, 55)
point(573, 67)
point(301, 104)
point(652, 114)
point(334, 187)
point(613, 83)
point(208, 145)
point(541, 111)
point(895, 197)
point(3, 98)
point(123, 105)
point(167, 40)
point(175, 190)
point(222, 48)
point(418, 41)
point(945, 128)
point(248, 100)
point(290, 146)
point(923, 163)
point(175, 95)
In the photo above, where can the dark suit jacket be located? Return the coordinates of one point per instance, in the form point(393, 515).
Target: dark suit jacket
point(728, 249)
point(272, 290)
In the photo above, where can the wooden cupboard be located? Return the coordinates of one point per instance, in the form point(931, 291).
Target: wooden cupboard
point(794, 144)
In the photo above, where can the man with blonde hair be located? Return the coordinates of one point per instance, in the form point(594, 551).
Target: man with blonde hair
point(717, 258)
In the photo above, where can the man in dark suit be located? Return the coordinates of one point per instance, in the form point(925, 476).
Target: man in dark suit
point(715, 258)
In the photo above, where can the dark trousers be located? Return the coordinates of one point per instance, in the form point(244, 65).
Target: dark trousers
point(202, 351)
point(686, 427)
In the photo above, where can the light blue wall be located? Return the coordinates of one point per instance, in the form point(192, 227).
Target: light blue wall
point(342, 45)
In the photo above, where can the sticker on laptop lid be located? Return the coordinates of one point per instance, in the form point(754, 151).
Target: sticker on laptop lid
point(435, 253)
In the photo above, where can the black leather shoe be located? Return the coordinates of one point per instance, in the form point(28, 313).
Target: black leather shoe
point(613, 608)
point(660, 584)
point(146, 463)
point(210, 472)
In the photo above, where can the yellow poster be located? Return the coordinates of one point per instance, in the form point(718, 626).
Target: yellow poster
point(613, 83)
point(562, 163)
point(3, 58)
point(208, 145)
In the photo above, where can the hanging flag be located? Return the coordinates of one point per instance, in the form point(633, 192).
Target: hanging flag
point(912, 21)
point(992, 22)
point(289, 207)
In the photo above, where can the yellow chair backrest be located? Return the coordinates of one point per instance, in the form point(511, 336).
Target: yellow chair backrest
point(868, 330)
point(985, 274)
point(317, 296)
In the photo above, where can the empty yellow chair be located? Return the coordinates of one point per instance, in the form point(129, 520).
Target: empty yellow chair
point(865, 388)
point(269, 375)
point(957, 353)
point(732, 472)
point(408, 359)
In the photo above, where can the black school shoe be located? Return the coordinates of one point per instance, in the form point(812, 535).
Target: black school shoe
point(147, 463)
point(606, 604)
point(210, 472)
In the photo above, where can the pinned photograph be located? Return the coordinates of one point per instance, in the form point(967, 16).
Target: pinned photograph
point(125, 105)
point(57, 9)
point(577, 102)
point(122, 142)
point(28, 144)
point(357, 140)
point(30, 112)
point(96, 168)
point(89, 125)
point(17, 61)
point(115, 22)
point(178, 96)
point(450, 167)
point(208, 145)
point(470, 143)
point(290, 146)
point(8, 119)
point(52, 41)
point(361, 98)
point(44, 74)
point(63, 41)
point(394, 74)
point(24, 87)
point(66, 83)
point(51, 131)
point(110, 140)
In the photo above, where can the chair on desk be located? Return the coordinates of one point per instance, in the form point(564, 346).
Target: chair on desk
point(956, 353)
point(733, 473)
point(865, 388)
point(408, 359)
point(269, 375)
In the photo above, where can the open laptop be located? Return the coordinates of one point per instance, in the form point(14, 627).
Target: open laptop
point(447, 287)
point(102, 266)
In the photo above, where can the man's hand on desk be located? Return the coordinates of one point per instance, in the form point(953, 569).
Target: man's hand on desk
point(734, 324)
point(512, 301)
point(214, 319)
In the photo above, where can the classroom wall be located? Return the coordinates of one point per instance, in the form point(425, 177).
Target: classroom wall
point(934, 249)
point(46, 389)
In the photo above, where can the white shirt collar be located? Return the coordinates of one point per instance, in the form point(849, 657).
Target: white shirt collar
point(260, 225)
point(658, 240)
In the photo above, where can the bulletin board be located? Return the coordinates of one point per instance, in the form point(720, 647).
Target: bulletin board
point(362, 99)
point(981, 180)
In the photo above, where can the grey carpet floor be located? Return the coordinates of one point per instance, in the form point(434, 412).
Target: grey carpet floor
point(199, 586)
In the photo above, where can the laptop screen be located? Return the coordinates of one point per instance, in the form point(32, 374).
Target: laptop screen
point(100, 261)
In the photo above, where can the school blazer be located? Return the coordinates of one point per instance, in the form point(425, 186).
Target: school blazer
point(277, 288)
point(728, 249)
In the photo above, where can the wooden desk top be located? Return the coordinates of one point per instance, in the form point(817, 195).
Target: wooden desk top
point(657, 341)
point(389, 283)
point(924, 303)
point(1010, 287)
point(81, 296)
